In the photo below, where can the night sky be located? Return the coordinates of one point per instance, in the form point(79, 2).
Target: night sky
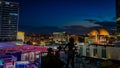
point(63, 14)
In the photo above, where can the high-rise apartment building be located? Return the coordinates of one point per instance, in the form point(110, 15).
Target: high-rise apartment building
point(118, 15)
point(9, 17)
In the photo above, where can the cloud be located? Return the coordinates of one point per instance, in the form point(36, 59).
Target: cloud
point(111, 23)
point(87, 26)
point(84, 23)
point(41, 29)
point(72, 29)
point(75, 28)
point(106, 24)
point(90, 20)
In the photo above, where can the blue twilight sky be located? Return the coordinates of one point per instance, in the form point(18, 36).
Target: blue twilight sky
point(64, 12)
point(37, 13)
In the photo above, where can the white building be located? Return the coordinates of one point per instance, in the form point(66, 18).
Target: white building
point(101, 52)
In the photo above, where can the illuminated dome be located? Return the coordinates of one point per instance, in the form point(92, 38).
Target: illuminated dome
point(103, 32)
point(93, 32)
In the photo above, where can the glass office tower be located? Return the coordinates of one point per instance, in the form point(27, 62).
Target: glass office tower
point(9, 13)
point(118, 15)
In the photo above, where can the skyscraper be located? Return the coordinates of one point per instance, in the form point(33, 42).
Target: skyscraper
point(9, 13)
point(118, 15)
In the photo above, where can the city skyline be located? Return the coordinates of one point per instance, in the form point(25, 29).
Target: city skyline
point(61, 14)
point(59, 34)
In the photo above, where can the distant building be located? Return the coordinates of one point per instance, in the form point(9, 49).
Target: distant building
point(100, 36)
point(20, 36)
point(60, 37)
point(9, 13)
point(75, 37)
point(37, 39)
point(33, 39)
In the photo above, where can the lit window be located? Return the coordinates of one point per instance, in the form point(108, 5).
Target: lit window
point(103, 53)
point(13, 14)
point(13, 26)
point(9, 21)
point(87, 52)
point(95, 51)
point(81, 51)
point(11, 5)
point(7, 3)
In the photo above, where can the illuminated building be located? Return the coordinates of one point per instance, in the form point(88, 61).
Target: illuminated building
point(9, 13)
point(98, 36)
point(20, 36)
point(103, 32)
point(93, 33)
point(75, 37)
point(103, 36)
point(32, 39)
point(41, 40)
point(59, 37)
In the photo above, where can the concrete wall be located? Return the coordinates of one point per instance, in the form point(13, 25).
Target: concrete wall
point(111, 52)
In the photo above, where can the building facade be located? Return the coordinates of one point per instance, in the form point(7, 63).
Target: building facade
point(9, 17)
point(118, 15)
point(60, 37)
point(100, 36)
point(100, 52)
point(20, 36)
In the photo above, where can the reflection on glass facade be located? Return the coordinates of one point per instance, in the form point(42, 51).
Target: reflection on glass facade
point(81, 51)
point(95, 51)
point(9, 13)
point(103, 53)
point(88, 52)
